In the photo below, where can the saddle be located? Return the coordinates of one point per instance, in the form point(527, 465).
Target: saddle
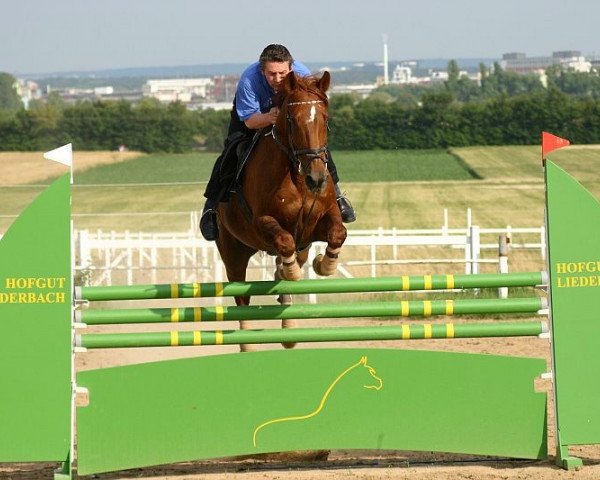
point(233, 163)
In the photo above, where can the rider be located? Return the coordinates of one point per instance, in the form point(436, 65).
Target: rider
point(253, 110)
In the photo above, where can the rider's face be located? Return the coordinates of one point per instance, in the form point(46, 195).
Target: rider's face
point(275, 72)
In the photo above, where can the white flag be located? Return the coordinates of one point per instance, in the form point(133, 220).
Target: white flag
point(62, 155)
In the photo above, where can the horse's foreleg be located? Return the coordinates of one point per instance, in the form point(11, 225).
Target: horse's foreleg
point(334, 233)
point(285, 299)
point(245, 325)
point(283, 243)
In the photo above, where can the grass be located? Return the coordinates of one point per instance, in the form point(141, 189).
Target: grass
point(367, 166)
point(399, 166)
point(155, 168)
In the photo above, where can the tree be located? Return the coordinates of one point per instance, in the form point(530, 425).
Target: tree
point(9, 98)
point(453, 75)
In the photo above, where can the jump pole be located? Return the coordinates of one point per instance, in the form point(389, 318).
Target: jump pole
point(338, 334)
point(392, 310)
point(336, 285)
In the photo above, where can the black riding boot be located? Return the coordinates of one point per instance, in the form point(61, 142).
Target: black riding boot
point(348, 213)
point(208, 221)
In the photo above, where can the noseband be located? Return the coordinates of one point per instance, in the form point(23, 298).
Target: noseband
point(293, 153)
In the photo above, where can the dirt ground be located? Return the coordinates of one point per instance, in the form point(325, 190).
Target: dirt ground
point(30, 171)
point(367, 465)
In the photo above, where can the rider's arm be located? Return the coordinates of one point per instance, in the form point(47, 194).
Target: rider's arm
point(260, 120)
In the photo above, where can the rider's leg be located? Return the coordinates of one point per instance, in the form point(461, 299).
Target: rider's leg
point(208, 220)
point(346, 209)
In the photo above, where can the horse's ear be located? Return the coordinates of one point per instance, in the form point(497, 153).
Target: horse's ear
point(324, 81)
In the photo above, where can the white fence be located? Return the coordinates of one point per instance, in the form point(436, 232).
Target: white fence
point(126, 257)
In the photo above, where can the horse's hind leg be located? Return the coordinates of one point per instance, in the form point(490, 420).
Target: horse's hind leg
point(235, 256)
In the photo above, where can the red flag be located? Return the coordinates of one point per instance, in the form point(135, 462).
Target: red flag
point(552, 142)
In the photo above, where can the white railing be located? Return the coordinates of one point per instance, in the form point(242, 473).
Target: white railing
point(126, 257)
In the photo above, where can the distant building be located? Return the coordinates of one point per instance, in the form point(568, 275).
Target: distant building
point(402, 75)
point(595, 61)
point(184, 90)
point(27, 90)
point(520, 63)
point(364, 90)
point(102, 91)
point(223, 88)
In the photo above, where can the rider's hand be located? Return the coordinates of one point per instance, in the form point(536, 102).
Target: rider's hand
point(273, 115)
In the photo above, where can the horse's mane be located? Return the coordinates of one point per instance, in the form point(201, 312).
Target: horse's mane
point(307, 84)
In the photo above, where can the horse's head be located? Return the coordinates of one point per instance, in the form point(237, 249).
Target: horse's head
point(303, 123)
point(373, 373)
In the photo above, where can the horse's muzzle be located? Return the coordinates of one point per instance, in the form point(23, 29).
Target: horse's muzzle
point(316, 177)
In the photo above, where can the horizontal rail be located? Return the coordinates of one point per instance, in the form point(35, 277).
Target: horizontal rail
point(274, 312)
point(235, 337)
point(337, 285)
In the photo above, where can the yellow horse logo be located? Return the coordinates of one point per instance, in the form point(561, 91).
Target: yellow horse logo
point(361, 363)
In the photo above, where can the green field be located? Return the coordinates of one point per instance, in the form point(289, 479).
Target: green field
point(403, 189)
point(368, 166)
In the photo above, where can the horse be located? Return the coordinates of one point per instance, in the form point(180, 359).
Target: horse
point(289, 199)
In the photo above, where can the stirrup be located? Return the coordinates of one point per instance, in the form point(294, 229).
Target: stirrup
point(208, 225)
point(346, 209)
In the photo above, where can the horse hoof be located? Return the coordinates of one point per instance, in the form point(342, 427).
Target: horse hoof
point(284, 299)
point(248, 347)
point(316, 264)
point(324, 266)
point(292, 273)
point(289, 324)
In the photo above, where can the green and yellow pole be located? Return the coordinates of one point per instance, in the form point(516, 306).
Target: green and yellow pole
point(235, 337)
point(337, 285)
point(274, 312)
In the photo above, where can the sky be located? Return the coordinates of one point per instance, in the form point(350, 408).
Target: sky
point(84, 35)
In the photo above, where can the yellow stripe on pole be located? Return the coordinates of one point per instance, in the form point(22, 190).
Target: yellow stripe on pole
point(450, 281)
point(405, 282)
point(174, 314)
point(427, 282)
point(449, 307)
point(427, 308)
point(449, 330)
point(174, 339)
point(197, 289)
point(197, 314)
point(219, 312)
point(405, 332)
point(174, 290)
point(404, 308)
point(427, 330)
point(218, 289)
point(218, 337)
point(197, 338)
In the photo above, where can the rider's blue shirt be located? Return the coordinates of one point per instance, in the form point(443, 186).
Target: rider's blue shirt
point(253, 94)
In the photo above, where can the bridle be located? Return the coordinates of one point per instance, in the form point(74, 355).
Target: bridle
point(293, 153)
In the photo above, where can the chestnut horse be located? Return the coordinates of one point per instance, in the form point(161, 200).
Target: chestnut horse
point(288, 190)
